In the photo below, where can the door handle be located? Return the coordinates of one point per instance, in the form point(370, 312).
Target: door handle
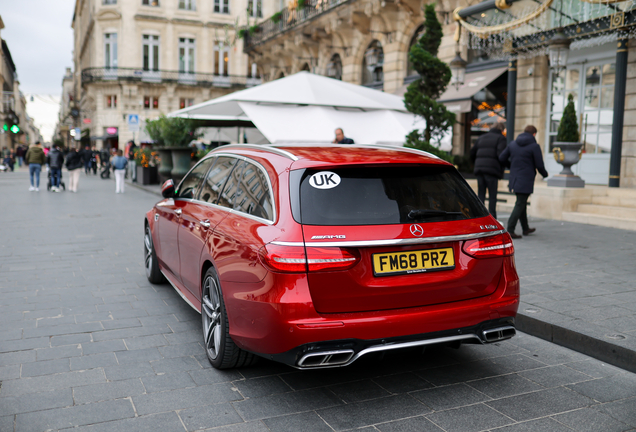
point(205, 223)
point(178, 211)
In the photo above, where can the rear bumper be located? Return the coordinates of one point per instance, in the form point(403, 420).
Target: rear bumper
point(338, 353)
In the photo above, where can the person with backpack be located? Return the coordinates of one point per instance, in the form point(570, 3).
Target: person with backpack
point(74, 164)
point(55, 160)
point(35, 158)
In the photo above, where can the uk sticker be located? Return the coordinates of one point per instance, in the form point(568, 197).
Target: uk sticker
point(324, 180)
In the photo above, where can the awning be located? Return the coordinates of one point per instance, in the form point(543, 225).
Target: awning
point(459, 100)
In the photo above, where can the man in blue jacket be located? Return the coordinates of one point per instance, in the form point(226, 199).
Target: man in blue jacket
point(525, 159)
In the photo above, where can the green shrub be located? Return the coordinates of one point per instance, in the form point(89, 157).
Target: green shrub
point(277, 17)
point(415, 140)
point(568, 126)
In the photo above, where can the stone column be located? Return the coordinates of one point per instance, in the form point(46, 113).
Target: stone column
point(619, 113)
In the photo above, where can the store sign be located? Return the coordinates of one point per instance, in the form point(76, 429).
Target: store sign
point(112, 130)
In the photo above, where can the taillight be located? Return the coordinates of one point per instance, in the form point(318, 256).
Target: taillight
point(490, 247)
point(294, 259)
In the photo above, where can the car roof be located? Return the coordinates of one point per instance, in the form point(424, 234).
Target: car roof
point(300, 156)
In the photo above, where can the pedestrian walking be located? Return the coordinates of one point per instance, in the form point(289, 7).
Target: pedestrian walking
point(87, 155)
point(55, 160)
point(119, 167)
point(131, 148)
point(488, 170)
point(341, 139)
point(74, 164)
point(7, 158)
point(35, 158)
point(19, 153)
point(525, 159)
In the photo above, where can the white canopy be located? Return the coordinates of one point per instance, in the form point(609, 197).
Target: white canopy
point(305, 107)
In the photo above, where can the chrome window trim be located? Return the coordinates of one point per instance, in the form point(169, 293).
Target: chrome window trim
point(247, 215)
point(392, 242)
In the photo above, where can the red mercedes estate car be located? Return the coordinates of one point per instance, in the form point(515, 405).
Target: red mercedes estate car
point(316, 255)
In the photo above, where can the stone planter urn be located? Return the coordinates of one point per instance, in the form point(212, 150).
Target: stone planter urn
point(567, 154)
point(147, 175)
point(181, 157)
point(165, 167)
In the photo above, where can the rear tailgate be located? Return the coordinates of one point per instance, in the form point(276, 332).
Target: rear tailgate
point(425, 272)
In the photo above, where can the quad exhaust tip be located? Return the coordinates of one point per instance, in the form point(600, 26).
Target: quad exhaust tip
point(499, 334)
point(325, 359)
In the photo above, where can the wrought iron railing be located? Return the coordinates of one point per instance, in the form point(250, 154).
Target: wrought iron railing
point(287, 19)
point(104, 74)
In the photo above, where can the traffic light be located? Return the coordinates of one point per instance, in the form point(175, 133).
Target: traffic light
point(5, 127)
point(15, 129)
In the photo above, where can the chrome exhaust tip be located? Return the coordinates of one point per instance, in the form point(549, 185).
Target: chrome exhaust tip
point(325, 359)
point(498, 334)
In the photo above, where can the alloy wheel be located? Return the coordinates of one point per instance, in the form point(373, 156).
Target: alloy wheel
point(212, 316)
point(148, 252)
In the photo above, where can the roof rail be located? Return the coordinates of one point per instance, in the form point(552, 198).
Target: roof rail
point(399, 148)
point(266, 147)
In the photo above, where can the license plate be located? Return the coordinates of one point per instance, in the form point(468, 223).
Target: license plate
point(419, 261)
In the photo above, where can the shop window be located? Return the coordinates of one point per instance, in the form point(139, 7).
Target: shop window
point(185, 102)
point(151, 102)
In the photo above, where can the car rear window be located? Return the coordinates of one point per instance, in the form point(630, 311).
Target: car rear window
point(382, 195)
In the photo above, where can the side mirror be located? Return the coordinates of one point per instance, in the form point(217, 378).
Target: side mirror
point(167, 190)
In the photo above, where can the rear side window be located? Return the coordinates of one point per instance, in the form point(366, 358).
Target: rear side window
point(253, 194)
point(383, 195)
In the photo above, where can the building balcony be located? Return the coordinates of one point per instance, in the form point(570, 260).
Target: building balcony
point(104, 75)
point(286, 20)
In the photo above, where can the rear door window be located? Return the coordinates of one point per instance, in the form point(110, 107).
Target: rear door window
point(216, 179)
point(383, 195)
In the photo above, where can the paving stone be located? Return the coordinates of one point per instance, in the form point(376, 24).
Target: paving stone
point(358, 391)
point(370, 412)
point(58, 352)
point(505, 385)
point(92, 317)
point(75, 416)
point(541, 425)
point(184, 398)
point(608, 389)
point(451, 396)
point(181, 350)
point(71, 339)
point(9, 335)
point(131, 332)
point(108, 391)
point(255, 426)
point(46, 367)
point(413, 424)
point(103, 347)
point(623, 411)
point(166, 422)
point(51, 382)
point(468, 419)
point(35, 402)
point(7, 423)
point(214, 376)
point(167, 381)
point(209, 416)
point(93, 361)
point(307, 421)
point(9, 372)
point(590, 420)
point(595, 369)
point(128, 370)
point(17, 357)
point(540, 404)
point(402, 383)
point(555, 376)
point(23, 345)
point(137, 356)
point(177, 364)
point(259, 387)
point(60, 330)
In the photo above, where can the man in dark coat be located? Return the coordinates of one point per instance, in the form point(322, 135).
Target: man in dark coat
point(525, 160)
point(488, 170)
point(341, 139)
point(55, 159)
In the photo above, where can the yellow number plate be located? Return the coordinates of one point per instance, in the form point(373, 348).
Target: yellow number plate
point(420, 261)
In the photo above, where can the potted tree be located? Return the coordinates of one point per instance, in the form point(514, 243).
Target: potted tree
point(567, 149)
point(175, 134)
point(422, 94)
point(154, 128)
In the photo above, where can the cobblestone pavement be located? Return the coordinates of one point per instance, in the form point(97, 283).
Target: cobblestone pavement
point(87, 343)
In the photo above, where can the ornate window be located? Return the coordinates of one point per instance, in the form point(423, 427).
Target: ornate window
point(334, 68)
point(187, 5)
point(222, 6)
point(372, 74)
point(255, 8)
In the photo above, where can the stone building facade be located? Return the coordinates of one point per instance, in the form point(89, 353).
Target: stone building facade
point(151, 57)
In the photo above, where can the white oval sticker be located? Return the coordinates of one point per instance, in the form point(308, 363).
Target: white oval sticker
point(324, 180)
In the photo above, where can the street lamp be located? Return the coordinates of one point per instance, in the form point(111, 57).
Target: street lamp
point(558, 51)
point(458, 70)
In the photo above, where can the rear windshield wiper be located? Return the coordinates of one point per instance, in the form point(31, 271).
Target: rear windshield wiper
point(415, 214)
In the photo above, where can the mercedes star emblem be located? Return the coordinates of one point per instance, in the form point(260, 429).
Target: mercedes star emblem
point(417, 230)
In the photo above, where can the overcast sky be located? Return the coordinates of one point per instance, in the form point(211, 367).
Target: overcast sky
point(40, 38)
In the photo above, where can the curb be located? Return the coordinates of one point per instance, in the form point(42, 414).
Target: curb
point(141, 187)
point(608, 352)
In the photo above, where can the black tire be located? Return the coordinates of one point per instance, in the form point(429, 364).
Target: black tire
point(221, 350)
point(151, 264)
